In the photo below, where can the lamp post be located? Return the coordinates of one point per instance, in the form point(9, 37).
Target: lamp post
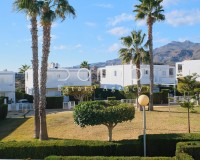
point(143, 100)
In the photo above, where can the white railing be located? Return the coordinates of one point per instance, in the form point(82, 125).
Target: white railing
point(131, 101)
point(69, 105)
point(177, 99)
point(20, 107)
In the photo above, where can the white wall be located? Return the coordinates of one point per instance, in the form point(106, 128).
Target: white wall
point(59, 77)
point(123, 75)
point(7, 84)
point(188, 68)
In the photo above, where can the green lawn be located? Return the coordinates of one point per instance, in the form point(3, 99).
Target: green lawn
point(61, 126)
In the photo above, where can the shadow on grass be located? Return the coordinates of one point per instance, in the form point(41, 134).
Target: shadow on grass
point(192, 112)
point(9, 125)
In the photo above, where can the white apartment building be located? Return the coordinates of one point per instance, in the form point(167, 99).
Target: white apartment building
point(119, 76)
point(58, 77)
point(7, 85)
point(188, 67)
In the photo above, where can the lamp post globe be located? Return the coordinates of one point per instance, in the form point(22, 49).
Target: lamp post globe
point(143, 100)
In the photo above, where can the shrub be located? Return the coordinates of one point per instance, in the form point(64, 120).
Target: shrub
point(188, 150)
point(165, 144)
point(21, 95)
point(106, 158)
point(3, 111)
point(2, 100)
point(111, 98)
point(54, 102)
point(107, 113)
point(40, 150)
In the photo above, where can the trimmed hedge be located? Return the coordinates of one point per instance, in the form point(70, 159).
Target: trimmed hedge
point(3, 111)
point(40, 150)
point(157, 145)
point(106, 158)
point(165, 144)
point(54, 102)
point(189, 150)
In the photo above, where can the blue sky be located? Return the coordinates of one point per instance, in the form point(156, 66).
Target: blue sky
point(94, 35)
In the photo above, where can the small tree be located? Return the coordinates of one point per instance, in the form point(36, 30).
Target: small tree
point(78, 92)
point(189, 104)
point(188, 85)
point(100, 112)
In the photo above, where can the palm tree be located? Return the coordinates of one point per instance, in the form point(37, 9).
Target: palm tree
point(151, 10)
point(134, 52)
point(24, 68)
point(32, 9)
point(51, 10)
point(85, 64)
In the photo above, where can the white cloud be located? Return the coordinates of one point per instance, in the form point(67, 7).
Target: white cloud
point(162, 40)
point(177, 18)
point(104, 5)
point(60, 47)
point(78, 46)
point(114, 47)
point(54, 24)
point(118, 31)
point(120, 18)
point(141, 23)
point(167, 3)
point(91, 24)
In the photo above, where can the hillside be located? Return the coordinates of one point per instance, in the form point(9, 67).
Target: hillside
point(167, 54)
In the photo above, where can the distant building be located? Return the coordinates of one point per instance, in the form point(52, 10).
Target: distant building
point(58, 77)
point(119, 76)
point(188, 67)
point(7, 85)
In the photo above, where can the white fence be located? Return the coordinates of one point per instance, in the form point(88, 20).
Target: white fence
point(177, 99)
point(20, 107)
point(69, 105)
point(131, 101)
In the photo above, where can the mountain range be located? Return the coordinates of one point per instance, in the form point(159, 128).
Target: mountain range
point(168, 54)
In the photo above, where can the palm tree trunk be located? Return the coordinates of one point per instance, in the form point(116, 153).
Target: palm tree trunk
point(138, 81)
point(43, 80)
point(34, 33)
point(150, 38)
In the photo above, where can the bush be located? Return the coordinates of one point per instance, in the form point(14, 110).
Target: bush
point(21, 95)
point(111, 98)
point(165, 144)
point(54, 102)
point(3, 111)
point(105, 158)
point(189, 150)
point(2, 100)
point(40, 150)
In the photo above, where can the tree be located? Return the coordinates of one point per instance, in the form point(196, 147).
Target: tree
point(78, 92)
point(188, 85)
point(151, 10)
point(100, 112)
point(51, 10)
point(32, 9)
point(85, 64)
point(134, 52)
point(24, 68)
point(189, 105)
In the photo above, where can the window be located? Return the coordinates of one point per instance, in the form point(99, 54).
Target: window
point(115, 73)
point(171, 71)
point(180, 68)
point(27, 76)
point(103, 73)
